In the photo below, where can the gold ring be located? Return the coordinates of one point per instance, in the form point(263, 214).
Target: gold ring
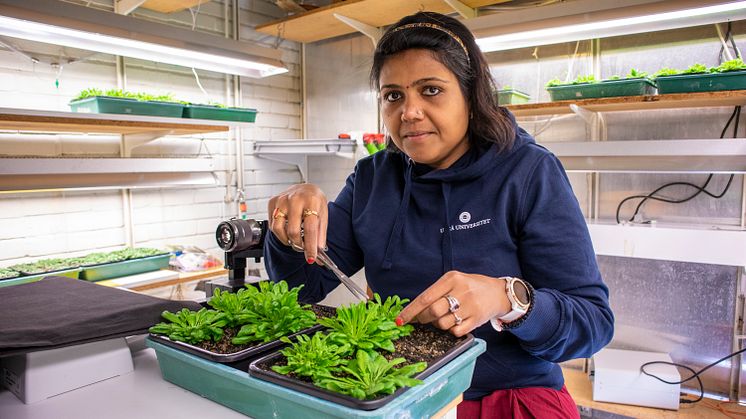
point(307, 212)
point(458, 318)
point(278, 213)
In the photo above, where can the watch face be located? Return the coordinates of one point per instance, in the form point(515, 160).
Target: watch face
point(521, 292)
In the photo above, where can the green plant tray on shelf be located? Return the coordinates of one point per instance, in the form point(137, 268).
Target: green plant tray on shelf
point(124, 268)
point(70, 273)
point(511, 97)
point(607, 88)
point(234, 388)
point(107, 104)
point(220, 114)
point(709, 82)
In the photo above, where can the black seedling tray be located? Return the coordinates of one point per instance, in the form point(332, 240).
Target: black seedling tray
point(252, 351)
point(231, 357)
point(260, 368)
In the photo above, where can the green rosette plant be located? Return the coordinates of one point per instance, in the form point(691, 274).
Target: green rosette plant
point(232, 306)
point(191, 326)
point(311, 356)
point(370, 374)
point(6, 273)
point(732, 65)
point(368, 325)
point(272, 311)
point(663, 72)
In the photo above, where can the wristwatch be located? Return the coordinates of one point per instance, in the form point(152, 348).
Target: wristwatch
point(520, 295)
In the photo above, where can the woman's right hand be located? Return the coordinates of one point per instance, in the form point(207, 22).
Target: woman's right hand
point(300, 204)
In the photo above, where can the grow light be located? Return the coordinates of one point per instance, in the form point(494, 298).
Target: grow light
point(81, 27)
point(637, 19)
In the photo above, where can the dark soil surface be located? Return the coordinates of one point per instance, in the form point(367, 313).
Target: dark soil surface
point(425, 343)
point(224, 345)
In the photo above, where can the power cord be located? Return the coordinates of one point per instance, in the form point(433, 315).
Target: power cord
point(736, 115)
point(694, 374)
point(728, 38)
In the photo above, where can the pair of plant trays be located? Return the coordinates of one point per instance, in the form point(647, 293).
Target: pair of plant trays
point(259, 359)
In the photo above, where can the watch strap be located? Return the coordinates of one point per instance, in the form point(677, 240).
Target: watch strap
point(502, 323)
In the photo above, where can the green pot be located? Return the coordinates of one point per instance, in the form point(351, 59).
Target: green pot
point(220, 114)
point(706, 82)
point(107, 104)
point(606, 88)
point(511, 97)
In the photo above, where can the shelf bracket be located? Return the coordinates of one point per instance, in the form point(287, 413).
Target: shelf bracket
point(132, 141)
point(370, 31)
point(125, 7)
point(594, 119)
point(299, 161)
point(465, 11)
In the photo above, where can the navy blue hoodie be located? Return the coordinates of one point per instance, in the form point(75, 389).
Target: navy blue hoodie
point(497, 214)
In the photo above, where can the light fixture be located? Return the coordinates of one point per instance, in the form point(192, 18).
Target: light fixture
point(625, 20)
point(65, 24)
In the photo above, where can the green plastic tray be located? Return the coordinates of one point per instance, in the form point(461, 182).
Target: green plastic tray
point(511, 97)
point(608, 88)
point(237, 390)
point(683, 83)
point(70, 273)
point(106, 104)
point(221, 114)
point(124, 268)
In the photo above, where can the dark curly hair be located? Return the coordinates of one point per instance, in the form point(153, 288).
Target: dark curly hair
point(489, 123)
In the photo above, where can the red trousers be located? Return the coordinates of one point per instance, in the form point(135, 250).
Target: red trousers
point(522, 403)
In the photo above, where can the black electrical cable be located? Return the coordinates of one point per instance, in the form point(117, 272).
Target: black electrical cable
point(694, 374)
point(728, 37)
point(736, 115)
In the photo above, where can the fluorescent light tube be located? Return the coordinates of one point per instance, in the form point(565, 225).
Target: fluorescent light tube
point(109, 33)
point(615, 27)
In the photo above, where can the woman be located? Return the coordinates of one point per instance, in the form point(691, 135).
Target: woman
point(464, 214)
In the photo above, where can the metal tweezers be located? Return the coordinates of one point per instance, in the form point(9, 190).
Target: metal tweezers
point(329, 263)
point(344, 279)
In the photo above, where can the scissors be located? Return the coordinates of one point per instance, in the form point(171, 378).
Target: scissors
point(329, 264)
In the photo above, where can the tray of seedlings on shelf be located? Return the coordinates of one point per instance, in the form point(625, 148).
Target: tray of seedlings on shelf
point(219, 112)
point(509, 96)
point(730, 75)
point(635, 83)
point(122, 102)
point(119, 263)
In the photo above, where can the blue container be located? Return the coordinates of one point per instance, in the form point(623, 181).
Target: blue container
point(235, 389)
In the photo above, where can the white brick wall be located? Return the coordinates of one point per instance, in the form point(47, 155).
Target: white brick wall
point(36, 225)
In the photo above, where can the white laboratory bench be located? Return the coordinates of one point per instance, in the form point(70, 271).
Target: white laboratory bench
point(141, 394)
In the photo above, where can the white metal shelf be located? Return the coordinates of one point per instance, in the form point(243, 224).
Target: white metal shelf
point(671, 156)
point(296, 152)
point(27, 174)
point(718, 245)
point(333, 147)
point(24, 174)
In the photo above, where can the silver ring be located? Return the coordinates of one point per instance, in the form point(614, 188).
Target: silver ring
point(458, 318)
point(453, 303)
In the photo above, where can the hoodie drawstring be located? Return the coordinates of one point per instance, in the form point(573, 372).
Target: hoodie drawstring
point(399, 223)
point(447, 240)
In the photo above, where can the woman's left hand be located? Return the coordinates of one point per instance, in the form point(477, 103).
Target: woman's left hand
point(474, 300)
